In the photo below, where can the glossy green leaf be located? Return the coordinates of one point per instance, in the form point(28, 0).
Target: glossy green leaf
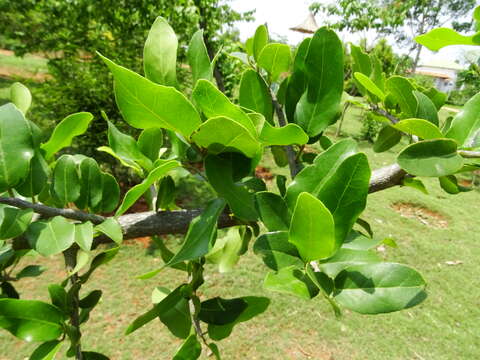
point(369, 85)
point(422, 128)
point(379, 288)
point(220, 171)
point(440, 37)
point(198, 58)
point(319, 105)
point(214, 103)
point(255, 95)
point(37, 177)
point(285, 135)
point(160, 54)
point(275, 59)
point(66, 185)
point(138, 190)
point(59, 297)
point(387, 138)
point(415, 184)
point(465, 127)
point(312, 229)
point(20, 96)
point(222, 134)
point(128, 163)
point(31, 320)
point(144, 104)
point(125, 147)
point(347, 257)
point(449, 184)
point(73, 125)
point(150, 142)
point(190, 349)
point(112, 229)
point(255, 306)
point(51, 237)
point(14, 221)
point(273, 211)
point(201, 233)
point(313, 177)
point(91, 187)
point(16, 147)
point(431, 158)
point(355, 240)
point(291, 280)
point(218, 311)
point(84, 235)
point(426, 109)
point(110, 194)
point(30, 271)
point(46, 351)
point(402, 89)
point(260, 40)
point(166, 193)
point(276, 251)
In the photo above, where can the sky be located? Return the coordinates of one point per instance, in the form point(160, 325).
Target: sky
point(280, 15)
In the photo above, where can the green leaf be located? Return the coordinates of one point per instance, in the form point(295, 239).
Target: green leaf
point(426, 109)
point(285, 135)
point(190, 349)
point(112, 229)
point(361, 61)
point(255, 95)
point(273, 211)
point(59, 298)
point(402, 89)
point(30, 271)
point(319, 105)
point(66, 185)
point(260, 40)
point(150, 142)
point(255, 306)
point(465, 127)
point(275, 59)
point(198, 58)
point(220, 171)
point(144, 104)
point(357, 241)
point(218, 311)
point(387, 138)
point(20, 96)
point(449, 184)
point(110, 194)
point(37, 177)
point(313, 177)
point(432, 158)
point(214, 103)
point(416, 184)
point(379, 288)
point(84, 235)
point(226, 251)
point(422, 128)
point(92, 355)
point(126, 148)
point(91, 187)
point(440, 37)
point(201, 234)
point(138, 190)
point(291, 280)
point(369, 85)
point(14, 221)
point(51, 237)
point(222, 134)
point(160, 54)
point(73, 125)
point(124, 162)
point(16, 147)
point(31, 320)
point(166, 193)
point(46, 351)
point(347, 257)
point(438, 98)
point(82, 259)
point(276, 251)
point(312, 229)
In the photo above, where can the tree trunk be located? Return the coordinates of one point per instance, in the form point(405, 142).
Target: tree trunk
point(417, 58)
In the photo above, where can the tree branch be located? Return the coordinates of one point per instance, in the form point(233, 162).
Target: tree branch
point(375, 108)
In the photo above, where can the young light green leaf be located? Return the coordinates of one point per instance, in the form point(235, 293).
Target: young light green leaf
point(138, 190)
point(112, 229)
point(260, 40)
point(432, 158)
point(285, 135)
point(51, 237)
point(16, 147)
point(14, 221)
point(379, 288)
point(73, 125)
point(84, 235)
point(291, 280)
point(440, 37)
point(465, 127)
point(422, 128)
point(226, 251)
point(128, 163)
point(369, 85)
point(160, 54)
point(198, 58)
point(312, 229)
point(144, 104)
point(275, 59)
point(66, 184)
point(255, 95)
point(20, 96)
point(150, 142)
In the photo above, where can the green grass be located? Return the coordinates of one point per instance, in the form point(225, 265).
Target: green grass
point(445, 326)
point(29, 63)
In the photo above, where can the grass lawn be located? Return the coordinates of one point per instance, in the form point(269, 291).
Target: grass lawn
point(438, 234)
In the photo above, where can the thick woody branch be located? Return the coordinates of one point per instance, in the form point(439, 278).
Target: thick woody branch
point(177, 222)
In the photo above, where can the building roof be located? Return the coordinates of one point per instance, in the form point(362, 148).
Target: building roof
point(433, 74)
point(309, 26)
point(441, 64)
